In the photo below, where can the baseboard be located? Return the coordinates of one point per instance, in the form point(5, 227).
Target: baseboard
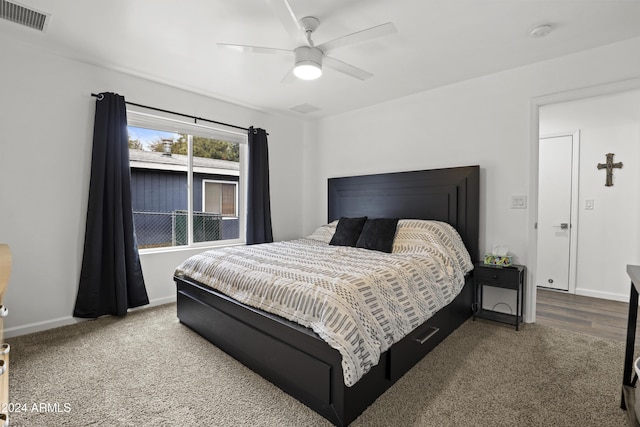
point(157, 301)
point(603, 295)
point(40, 326)
point(69, 320)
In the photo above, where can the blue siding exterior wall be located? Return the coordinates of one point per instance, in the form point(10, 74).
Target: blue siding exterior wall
point(158, 194)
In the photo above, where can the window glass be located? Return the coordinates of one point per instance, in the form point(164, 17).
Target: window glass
point(210, 158)
point(164, 165)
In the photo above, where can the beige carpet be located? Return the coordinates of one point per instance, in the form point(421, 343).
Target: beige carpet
point(149, 370)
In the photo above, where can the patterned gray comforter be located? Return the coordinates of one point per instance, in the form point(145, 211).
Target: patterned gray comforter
point(359, 301)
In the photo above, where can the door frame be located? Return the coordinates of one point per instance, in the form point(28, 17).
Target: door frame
point(574, 216)
point(534, 142)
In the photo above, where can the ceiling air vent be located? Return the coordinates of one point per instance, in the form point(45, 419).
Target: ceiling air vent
point(22, 15)
point(305, 108)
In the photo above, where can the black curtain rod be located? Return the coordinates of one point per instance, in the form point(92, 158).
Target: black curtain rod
point(95, 95)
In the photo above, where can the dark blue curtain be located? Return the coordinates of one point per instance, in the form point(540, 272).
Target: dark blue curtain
point(111, 279)
point(258, 203)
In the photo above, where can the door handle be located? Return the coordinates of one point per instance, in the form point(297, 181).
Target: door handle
point(562, 226)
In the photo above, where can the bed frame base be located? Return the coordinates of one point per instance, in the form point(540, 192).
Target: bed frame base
point(299, 361)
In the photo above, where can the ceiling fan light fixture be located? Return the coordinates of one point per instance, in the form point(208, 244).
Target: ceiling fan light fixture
point(307, 71)
point(308, 63)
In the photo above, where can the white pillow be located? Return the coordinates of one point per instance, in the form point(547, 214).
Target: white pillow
point(415, 236)
point(324, 233)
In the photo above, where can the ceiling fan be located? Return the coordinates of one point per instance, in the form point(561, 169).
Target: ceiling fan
point(309, 58)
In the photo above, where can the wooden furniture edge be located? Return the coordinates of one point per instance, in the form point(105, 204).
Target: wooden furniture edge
point(628, 395)
point(5, 273)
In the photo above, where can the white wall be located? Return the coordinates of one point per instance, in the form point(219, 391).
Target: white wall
point(484, 121)
point(608, 235)
point(46, 118)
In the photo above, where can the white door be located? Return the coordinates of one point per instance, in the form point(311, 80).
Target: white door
point(554, 212)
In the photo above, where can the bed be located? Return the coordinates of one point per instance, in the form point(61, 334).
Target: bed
point(297, 359)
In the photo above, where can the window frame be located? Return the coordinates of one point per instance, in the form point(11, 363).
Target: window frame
point(141, 119)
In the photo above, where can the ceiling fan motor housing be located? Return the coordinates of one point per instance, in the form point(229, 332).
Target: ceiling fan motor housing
point(308, 64)
point(308, 55)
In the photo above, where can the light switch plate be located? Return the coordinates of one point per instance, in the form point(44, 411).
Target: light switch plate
point(518, 202)
point(588, 204)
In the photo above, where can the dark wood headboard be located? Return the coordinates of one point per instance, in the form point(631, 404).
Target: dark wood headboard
point(450, 195)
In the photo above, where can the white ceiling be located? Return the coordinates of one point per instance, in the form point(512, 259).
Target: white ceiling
point(438, 42)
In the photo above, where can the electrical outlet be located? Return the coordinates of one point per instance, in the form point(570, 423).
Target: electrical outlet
point(518, 202)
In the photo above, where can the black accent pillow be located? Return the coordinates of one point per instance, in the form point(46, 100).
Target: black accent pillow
point(378, 234)
point(347, 231)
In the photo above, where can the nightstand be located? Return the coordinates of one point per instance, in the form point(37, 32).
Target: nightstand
point(512, 277)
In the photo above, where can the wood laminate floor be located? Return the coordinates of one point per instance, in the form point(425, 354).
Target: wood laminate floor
point(593, 316)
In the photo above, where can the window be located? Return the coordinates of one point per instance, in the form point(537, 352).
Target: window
point(219, 197)
point(186, 182)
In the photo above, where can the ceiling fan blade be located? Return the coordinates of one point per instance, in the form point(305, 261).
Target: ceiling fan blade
point(359, 36)
point(285, 14)
point(252, 49)
point(345, 68)
point(289, 77)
